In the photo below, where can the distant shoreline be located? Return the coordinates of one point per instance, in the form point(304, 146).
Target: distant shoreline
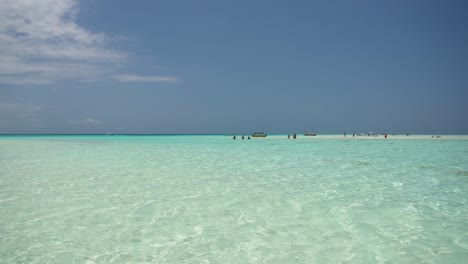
point(270, 136)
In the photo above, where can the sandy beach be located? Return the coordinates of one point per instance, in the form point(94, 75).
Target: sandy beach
point(364, 137)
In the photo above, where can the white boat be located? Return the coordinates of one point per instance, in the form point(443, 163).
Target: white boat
point(310, 133)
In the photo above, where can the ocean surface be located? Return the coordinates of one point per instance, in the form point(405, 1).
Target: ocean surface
point(211, 199)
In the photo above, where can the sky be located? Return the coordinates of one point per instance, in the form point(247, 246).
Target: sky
point(188, 67)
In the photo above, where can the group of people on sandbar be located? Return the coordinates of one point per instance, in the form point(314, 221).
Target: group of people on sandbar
point(234, 137)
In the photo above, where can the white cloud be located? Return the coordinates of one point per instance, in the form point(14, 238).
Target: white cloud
point(40, 42)
point(20, 80)
point(21, 110)
point(20, 107)
point(138, 78)
point(86, 121)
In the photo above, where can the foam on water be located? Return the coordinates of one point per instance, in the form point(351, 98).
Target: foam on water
point(211, 199)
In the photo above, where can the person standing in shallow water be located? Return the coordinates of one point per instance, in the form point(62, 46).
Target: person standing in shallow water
point(289, 136)
point(242, 137)
point(234, 137)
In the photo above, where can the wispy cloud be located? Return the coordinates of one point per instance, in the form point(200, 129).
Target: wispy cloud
point(21, 80)
point(86, 121)
point(20, 107)
point(21, 110)
point(40, 42)
point(139, 78)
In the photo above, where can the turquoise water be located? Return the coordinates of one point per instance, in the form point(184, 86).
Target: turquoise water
point(211, 199)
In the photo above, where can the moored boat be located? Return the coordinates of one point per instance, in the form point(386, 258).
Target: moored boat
point(310, 133)
point(259, 134)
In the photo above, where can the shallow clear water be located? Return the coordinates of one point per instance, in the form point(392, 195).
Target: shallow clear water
point(211, 199)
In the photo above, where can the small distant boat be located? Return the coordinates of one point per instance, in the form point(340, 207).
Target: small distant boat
point(310, 133)
point(259, 134)
point(109, 134)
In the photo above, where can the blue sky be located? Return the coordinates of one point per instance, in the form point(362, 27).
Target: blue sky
point(233, 66)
